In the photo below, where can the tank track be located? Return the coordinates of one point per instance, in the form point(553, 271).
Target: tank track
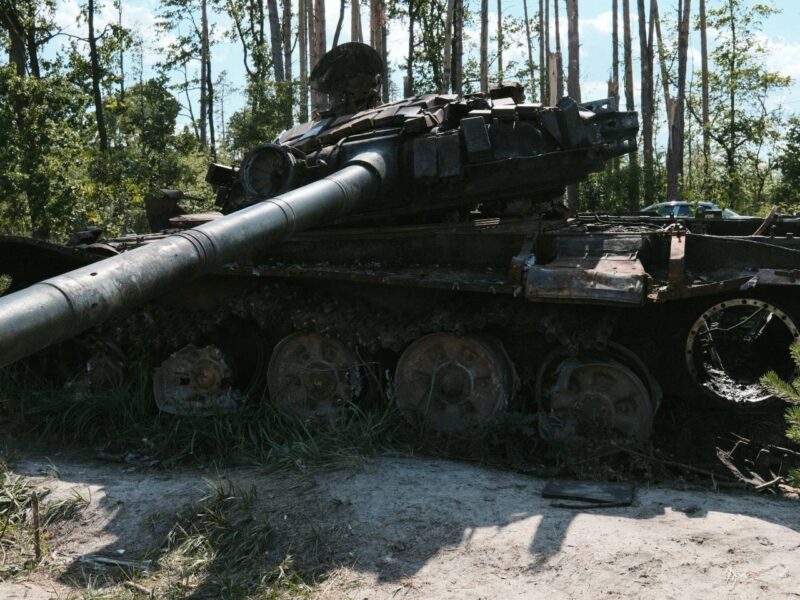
point(279, 308)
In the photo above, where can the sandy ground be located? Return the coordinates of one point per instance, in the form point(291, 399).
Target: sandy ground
point(419, 528)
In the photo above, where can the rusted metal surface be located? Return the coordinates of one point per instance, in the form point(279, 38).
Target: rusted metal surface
point(608, 280)
point(196, 382)
point(313, 376)
point(734, 342)
point(677, 260)
point(454, 383)
point(599, 394)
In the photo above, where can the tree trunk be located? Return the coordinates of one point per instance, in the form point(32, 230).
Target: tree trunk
point(662, 61)
point(448, 48)
point(676, 131)
point(203, 73)
point(355, 22)
point(548, 87)
point(530, 47)
point(302, 41)
point(704, 92)
point(484, 73)
point(275, 40)
point(612, 168)
point(633, 158)
point(731, 137)
point(339, 23)
point(559, 55)
point(210, 99)
point(499, 41)
point(320, 44)
point(646, 53)
point(384, 52)
point(542, 56)
point(121, 55)
point(458, 32)
point(574, 69)
point(17, 53)
point(189, 101)
point(573, 80)
point(408, 88)
point(102, 134)
point(614, 88)
point(627, 55)
point(286, 34)
point(377, 38)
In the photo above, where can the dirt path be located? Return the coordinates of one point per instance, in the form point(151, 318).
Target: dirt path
point(418, 528)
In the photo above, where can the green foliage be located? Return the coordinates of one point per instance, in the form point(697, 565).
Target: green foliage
point(744, 128)
point(788, 391)
point(41, 121)
point(265, 116)
point(787, 193)
point(54, 181)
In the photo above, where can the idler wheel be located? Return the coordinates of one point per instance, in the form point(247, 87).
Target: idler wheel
point(312, 375)
point(733, 343)
point(197, 382)
point(596, 395)
point(454, 382)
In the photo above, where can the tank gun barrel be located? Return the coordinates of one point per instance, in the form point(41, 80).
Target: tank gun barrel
point(63, 306)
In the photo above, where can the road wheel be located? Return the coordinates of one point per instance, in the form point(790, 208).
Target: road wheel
point(453, 382)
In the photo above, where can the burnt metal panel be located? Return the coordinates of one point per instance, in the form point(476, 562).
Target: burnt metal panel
point(425, 157)
point(608, 280)
point(448, 156)
point(476, 139)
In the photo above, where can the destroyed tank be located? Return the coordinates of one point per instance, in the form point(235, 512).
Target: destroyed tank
point(418, 251)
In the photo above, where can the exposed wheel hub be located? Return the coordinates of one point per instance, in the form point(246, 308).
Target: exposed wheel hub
point(312, 375)
point(733, 343)
point(597, 396)
point(196, 381)
point(454, 382)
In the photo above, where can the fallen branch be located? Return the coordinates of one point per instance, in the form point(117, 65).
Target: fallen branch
point(139, 588)
point(672, 463)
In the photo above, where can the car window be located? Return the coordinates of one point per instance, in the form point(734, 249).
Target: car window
point(664, 210)
point(682, 210)
point(727, 213)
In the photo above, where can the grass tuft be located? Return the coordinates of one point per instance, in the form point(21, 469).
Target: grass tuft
point(225, 548)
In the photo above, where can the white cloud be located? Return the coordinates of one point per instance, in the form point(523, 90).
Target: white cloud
point(783, 56)
point(602, 23)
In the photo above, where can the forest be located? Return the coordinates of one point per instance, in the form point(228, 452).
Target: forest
point(90, 128)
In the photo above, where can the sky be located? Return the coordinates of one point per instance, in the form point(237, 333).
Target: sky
point(781, 37)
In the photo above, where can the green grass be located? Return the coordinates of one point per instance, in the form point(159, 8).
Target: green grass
point(226, 548)
point(259, 434)
point(17, 524)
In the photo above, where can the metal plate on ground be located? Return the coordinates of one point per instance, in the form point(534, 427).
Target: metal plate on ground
point(590, 494)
